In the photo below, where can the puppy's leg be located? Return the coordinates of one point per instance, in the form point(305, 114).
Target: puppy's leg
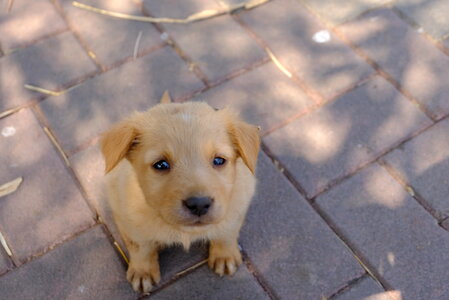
point(143, 269)
point(224, 256)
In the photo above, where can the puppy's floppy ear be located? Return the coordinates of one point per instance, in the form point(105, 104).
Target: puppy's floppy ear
point(165, 97)
point(116, 143)
point(246, 140)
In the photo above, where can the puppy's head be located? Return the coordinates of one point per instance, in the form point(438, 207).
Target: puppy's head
point(185, 157)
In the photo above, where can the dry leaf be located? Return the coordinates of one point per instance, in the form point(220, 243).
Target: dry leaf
point(122, 253)
point(5, 245)
point(10, 187)
point(278, 63)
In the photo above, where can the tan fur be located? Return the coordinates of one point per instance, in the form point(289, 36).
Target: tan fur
point(147, 204)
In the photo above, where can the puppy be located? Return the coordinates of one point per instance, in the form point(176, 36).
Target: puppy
point(178, 173)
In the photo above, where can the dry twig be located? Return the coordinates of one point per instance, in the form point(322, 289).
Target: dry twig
point(202, 15)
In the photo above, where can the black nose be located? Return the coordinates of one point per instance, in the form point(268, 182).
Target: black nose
point(198, 205)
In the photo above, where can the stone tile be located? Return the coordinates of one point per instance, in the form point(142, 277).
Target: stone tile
point(89, 168)
point(341, 11)
point(110, 39)
point(27, 22)
point(287, 27)
point(5, 262)
point(407, 56)
point(345, 134)
point(47, 207)
point(392, 231)
point(431, 15)
point(87, 110)
point(365, 288)
point(48, 64)
point(219, 46)
point(204, 284)
point(290, 245)
point(424, 163)
point(264, 96)
point(84, 268)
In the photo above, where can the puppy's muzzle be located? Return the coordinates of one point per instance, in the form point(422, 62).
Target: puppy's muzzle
point(198, 206)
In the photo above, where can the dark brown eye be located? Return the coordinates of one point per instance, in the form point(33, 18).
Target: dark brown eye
point(161, 165)
point(219, 161)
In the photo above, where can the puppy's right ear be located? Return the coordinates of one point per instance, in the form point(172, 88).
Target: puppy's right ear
point(116, 143)
point(165, 97)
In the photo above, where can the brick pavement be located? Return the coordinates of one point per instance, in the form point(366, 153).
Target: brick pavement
point(353, 189)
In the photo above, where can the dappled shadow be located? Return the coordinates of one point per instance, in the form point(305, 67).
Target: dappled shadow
point(289, 244)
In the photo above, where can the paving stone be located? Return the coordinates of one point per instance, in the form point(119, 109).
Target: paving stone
point(341, 11)
point(204, 284)
point(345, 134)
point(87, 110)
point(401, 51)
point(424, 163)
point(366, 289)
point(89, 168)
point(110, 39)
point(290, 245)
point(287, 27)
point(48, 64)
point(392, 231)
point(5, 262)
point(27, 22)
point(219, 46)
point(86, 267)
point(264, 96)
point(47, 207)
point(431, 15)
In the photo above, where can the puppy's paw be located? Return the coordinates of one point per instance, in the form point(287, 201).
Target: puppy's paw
point(224, 258)
point(142, 278)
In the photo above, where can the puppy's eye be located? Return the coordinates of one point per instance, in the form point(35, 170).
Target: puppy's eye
point(161, 165)
point(219, 161)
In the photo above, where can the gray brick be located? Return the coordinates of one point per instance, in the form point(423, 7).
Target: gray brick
point(264, 96)
point(89, 168)
point(47, 207)
point(111, 39)
point(85, 111)
point(290, 245)
point(287, 27)
point(341, 11)
point(48, 64)
point(401, 51)
point(84, 268)
point(392, 231)
point(424, 163)
point(27, 22)
point(345, 134)
point(431, 15)
point(219, 46)
point(365, 288)
point(204, 284)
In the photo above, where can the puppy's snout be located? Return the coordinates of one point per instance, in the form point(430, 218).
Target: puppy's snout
point(198, 205)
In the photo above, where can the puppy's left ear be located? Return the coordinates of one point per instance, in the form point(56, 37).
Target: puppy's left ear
point(246, 140)
point(116, 143)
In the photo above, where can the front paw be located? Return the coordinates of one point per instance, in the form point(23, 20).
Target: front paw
point(224, 258)
point(142, 278)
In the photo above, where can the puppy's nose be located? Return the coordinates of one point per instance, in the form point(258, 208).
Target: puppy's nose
point(198, 205)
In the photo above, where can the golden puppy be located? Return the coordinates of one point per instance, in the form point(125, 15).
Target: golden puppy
point(179, 173)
